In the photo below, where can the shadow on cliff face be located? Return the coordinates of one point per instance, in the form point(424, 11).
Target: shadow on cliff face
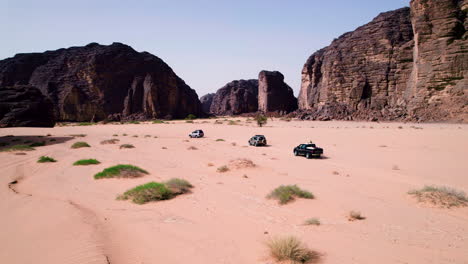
point(29, 142)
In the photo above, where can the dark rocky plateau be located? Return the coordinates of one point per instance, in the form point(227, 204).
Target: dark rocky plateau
point(98, 82)
point(236, 97)
point(25, 106)
point(408, 64)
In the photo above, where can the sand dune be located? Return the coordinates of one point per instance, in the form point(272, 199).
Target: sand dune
point(58, 213)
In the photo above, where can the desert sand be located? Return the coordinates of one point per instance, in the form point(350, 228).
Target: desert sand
point(58, 213)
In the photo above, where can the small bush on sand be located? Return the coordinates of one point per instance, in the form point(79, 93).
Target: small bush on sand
point(178, 186)
point(290, 249)
point(109, 141)
point(133, 122)
point(155, 191)
point(354, 215)
point(191, 117)
point(261, 120)
point(44, 159)
point(37, 144)
point(115, 135)
point(127, 146)
point(85, 162)
point(86, 124)
point(158, 122)
point(312, 221)
point(121, 171)
point(135, 136)
point(191, 148)
point(80, 144)
point(189, 121)
point(19, 148)
point(232, 123)
point(222, 169)
point(124, 134)
point(285, 194)
point(445, 197)
point(220, 139)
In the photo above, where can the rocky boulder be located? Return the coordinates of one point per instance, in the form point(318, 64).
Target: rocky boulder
point(206, 101)
point(236, 97)
point(25, 106)
point(99, 82)
point(274, 95)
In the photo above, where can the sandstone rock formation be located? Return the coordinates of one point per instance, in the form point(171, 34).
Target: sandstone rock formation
point(274, 94)
point(407, 64)
point(99, 82)
point(206, 101)
point(236, 97)
point(25, 106)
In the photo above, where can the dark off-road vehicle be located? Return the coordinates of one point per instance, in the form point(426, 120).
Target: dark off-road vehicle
point(308, 150)
point(258, 140)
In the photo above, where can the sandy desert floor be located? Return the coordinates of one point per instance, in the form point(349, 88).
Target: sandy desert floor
point(57, 213)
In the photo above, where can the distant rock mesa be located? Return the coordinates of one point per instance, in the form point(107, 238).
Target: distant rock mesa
point(408, 64)
point(236, 97)
point(274, 94)
point(98, 82)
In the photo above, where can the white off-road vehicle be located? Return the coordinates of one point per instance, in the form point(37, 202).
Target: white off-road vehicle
point(197, 134)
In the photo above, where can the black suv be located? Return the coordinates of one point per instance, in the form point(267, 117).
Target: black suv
point(258, 140)
point(308, 150)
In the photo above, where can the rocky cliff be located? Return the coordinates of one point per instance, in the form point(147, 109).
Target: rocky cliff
point(274, 94)
point(99, 82)
point(25, 106)
point(236, 97)
point(407, 64)
point(206, 102)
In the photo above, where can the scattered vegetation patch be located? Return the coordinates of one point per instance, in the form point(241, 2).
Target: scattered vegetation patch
point(121, 171)
point(222, 169)
point(312, 221)
point(37, 144)
point(133, 122)
point(261, 120)
point(220, 139)
point(189, 121)
point(290, 249)
point(158, 122)
point(155, 191)
point(287, 193)
point(44, 159)
point(218, 122)
point(86, 124)
point(80, 144)
point(110, 141)
point(444, 197)
point(232, 123)
point(85, 162)
point(78, 135)
point(191, 117)
point(19, 148)
point(354, 215)
point(115, 135)
point(126, 146)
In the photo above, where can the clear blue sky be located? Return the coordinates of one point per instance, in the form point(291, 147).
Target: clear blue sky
point(206, 42)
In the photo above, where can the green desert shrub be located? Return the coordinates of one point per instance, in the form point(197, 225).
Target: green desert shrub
point(44, 159)
point(220, 139)
point(133, 122)
point(84, 162)
point(285, 194)
point(19, 148)
point(86, 124)
point(291, 250)
point(191, 117)
point(261, 120)
point(441, 196)
point(121, 171)
point(80, 144)
point(158, 122)
point(155, 191)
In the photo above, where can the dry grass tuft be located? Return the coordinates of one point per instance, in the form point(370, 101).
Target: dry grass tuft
point(444, 197)
point(127, 146)
point(312, 221)
point(222, 169)
point(285, 194)
point(291, 250)
point(354, 215)
point(110, 141)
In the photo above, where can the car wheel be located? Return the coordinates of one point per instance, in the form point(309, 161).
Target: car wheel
point(295, 153)
point(309, 156)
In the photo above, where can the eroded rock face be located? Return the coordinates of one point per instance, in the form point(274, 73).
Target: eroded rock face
point(97, 82)
point(236, 97)
point(206, 102)
point(407, 64)
point(274, 94)
point(25, 106)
